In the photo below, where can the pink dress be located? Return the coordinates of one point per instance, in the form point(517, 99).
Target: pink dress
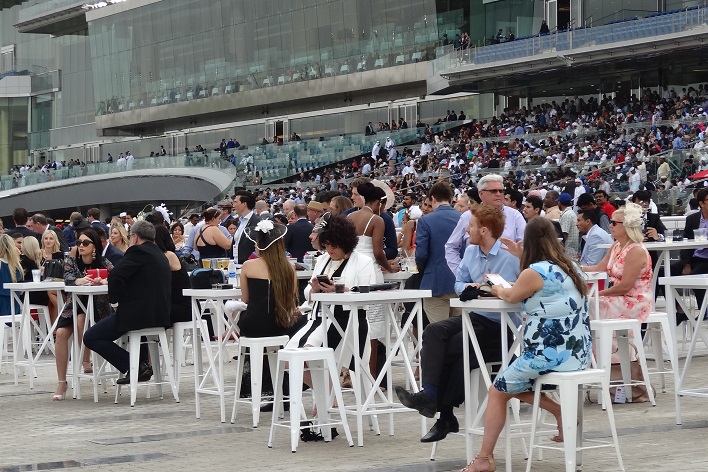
point(638, 302)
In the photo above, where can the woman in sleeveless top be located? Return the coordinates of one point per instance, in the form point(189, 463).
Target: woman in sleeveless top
point(370, 229)
point(209, 240)
point(629, 292)
point(410, 224)
point(180, 306)
point(268, 284)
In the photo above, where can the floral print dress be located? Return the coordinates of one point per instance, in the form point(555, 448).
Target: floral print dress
point(556, 335)
point(638, 302)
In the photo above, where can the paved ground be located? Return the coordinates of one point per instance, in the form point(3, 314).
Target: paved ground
point(38, 434)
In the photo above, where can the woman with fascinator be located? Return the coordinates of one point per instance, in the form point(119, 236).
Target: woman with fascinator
point(268, 284)
point(629, 292)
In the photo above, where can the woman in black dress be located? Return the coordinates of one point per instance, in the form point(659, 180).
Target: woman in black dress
point(181, 307)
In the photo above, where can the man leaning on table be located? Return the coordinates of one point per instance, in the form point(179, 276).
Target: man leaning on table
point(441, 357)
point(694, 261)
point(139, 290)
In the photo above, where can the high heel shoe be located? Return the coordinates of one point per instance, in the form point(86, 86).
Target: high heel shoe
point(60, 396)
point(472, 468)
point(88, 367)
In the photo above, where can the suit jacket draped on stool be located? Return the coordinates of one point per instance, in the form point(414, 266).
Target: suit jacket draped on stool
point(140, 284)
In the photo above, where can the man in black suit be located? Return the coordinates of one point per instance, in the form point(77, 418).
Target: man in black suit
point(20, 217)
point(369, 130)
point(244, 202)
point(225, 206)
point(39, 224)
point(297, 239)
point(139, 290)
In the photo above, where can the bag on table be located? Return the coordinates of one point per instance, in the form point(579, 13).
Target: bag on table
point(54, 269)
point(205, 278)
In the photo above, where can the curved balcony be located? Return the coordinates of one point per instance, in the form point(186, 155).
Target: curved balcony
point(173, 178)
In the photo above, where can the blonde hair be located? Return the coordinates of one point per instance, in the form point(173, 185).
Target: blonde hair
point(123, 236)
point(9, 252)
point(632, 221)
point(30, 248)
point(56, 241)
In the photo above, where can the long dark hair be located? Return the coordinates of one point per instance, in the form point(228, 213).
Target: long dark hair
point(541, 244)
point(163, 239)
point(97, 262)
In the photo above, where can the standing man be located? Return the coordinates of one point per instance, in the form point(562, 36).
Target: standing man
point(553, 213)
point(20, 217)
point(314, 210)
point(491, 192)
point(39, 224)
point(139, 290)
point(369, 131)
point(602, 199)
point(190, 224)
point(432, 233)
point(587, 201)
point(532, 208)
point(664, 169)
point(244, 202)
point(297, 239)
point(94, 218)
point(568, 222)
point(225, 206)
point(593, 236)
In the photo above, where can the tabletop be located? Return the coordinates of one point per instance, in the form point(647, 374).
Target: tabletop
point(486, 304)
point(661, 245)
point(212, 293)
point(686, 281)
point(87, 289)
point(382, 296)
point(34, 286)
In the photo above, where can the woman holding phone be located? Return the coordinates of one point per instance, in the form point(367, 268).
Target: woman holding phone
point(80, 270)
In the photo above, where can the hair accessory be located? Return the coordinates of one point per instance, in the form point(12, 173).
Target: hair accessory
point(633, 215)
point(264, 226)
point(269, 229)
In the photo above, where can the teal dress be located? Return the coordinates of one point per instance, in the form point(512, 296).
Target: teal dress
point(6, 277)
point(557, 333)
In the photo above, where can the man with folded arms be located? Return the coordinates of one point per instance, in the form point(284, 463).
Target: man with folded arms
point(139, 289)
point(441, 357)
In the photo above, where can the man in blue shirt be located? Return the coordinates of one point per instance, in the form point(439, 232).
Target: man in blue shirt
point(441, 358)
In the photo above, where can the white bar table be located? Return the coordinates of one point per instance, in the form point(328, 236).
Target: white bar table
point(22, 340)
point(594, 279)
point(390, 298)
point(673, 285)
point(210, 382)
point(99, 364)
point(474, 417)
point(664, 249)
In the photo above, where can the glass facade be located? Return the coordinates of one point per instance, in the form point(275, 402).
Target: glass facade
point(182, 50)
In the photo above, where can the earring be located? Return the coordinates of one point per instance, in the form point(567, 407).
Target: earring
point(93, 254)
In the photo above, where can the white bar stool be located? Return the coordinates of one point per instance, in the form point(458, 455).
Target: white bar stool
point(654, 333)
point(604, 332)
point(323, 368)
point(133, 339)
point(182, 339)
point(572, 386)
point(6, 332)
point(257, 348)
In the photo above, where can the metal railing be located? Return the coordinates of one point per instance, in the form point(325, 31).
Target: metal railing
point(658, 24)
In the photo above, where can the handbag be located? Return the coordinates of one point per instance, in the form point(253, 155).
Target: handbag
point(205, 278)
point(188, 262)
point(54, 269)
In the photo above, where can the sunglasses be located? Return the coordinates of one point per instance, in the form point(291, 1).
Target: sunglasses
point(84, 242)
point(615, 223)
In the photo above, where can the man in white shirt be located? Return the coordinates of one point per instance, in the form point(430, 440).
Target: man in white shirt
point(375, 150)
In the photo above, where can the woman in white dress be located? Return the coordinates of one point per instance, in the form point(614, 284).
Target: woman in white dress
point(370, 229)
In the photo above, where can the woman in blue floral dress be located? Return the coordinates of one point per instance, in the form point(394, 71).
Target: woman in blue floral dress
point(556, 336)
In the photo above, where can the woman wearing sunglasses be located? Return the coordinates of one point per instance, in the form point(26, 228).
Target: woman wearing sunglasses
point(629, 292)
point(89, 256)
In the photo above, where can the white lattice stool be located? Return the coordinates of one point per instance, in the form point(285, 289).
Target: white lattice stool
point(571, 386)
point(323, 370)
point(257, 348)
point(181, 341)
point(134, 340)
point(664, 331)
point(605, 330)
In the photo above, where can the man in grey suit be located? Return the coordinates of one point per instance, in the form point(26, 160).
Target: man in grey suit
point(592, 254)
point(244, 203)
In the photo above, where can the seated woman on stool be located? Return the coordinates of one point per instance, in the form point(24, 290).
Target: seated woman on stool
point(268, 284)
point(31, 259)
point(51, 250)
point(89, 256)
point(553, 294)
point(10, 272)
point(180, 306)
point(629, 292)
point(337, 236)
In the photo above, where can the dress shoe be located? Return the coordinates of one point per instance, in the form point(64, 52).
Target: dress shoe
point(420, 401)
point(144, 374)
point(268, 407)
point(441, 429)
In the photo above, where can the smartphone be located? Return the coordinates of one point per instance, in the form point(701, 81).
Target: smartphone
point(323, 279)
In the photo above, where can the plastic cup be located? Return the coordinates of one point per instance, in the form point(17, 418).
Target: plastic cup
point(339, 284)
point(669, 237)
point(36, 275)
point(364, 283)
point(206, 263)
point(700, 234)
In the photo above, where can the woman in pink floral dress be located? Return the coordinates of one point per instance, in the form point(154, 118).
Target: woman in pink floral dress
point(629, 293)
